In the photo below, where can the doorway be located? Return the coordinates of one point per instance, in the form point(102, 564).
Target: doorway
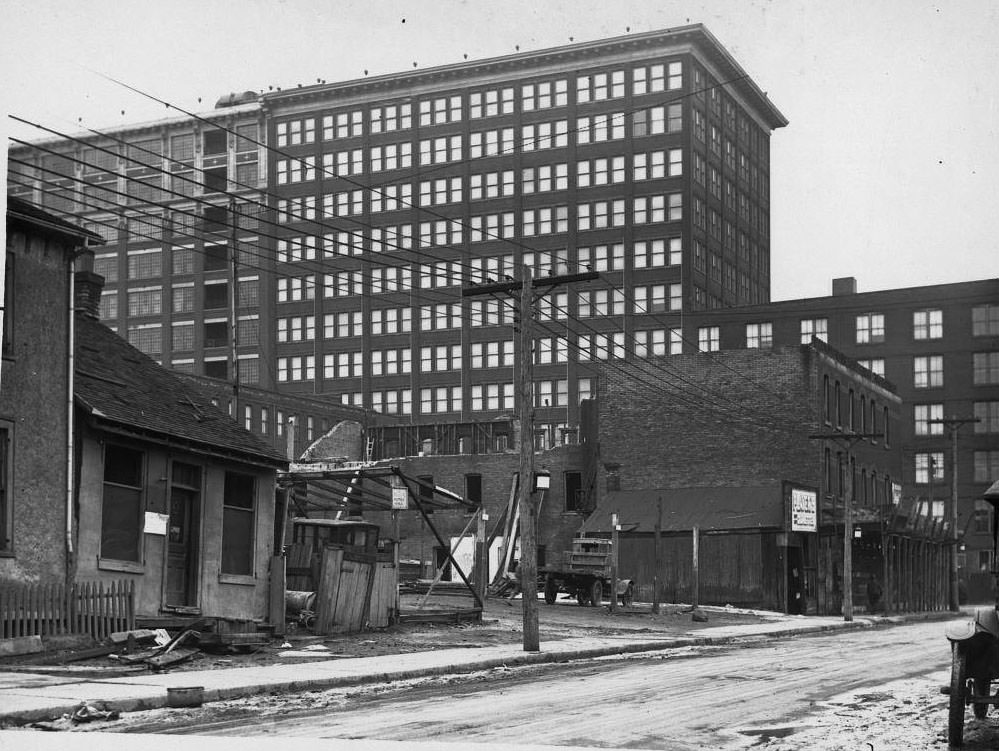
point(182, 537)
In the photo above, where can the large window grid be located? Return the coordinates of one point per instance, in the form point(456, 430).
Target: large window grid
point(870, 328)
point(391, 156)
point(491, 185)
point(928, 371)
point(440, 399)
point(927, 324)
point(601, 347)
point(602, 257)
point(544, 178)
point(601, 171)
point(342, 325)
point(492, 396)
point(544, 95)
point(391, 361)
point(541, 136)
point(649, 254)
point(599, 215)
point(497, 354)
point(599, 128)
point(658, 208)
point(601, 303)
point(491, 103)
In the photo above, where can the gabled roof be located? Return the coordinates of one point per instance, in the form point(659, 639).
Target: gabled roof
point(710, 508)
point(19, 210)
point(124, 391)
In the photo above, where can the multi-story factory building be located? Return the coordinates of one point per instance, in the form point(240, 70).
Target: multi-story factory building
point(316, 240)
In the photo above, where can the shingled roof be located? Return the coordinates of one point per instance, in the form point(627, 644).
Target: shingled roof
point(125, 391)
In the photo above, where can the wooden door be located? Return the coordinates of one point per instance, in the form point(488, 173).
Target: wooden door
point(182, 537)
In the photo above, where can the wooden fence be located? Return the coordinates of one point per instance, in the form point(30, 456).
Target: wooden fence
point(87, 608)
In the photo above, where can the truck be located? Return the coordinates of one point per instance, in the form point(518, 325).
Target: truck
point(585, 572)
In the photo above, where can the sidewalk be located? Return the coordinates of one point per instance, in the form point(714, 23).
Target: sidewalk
point(29, 697)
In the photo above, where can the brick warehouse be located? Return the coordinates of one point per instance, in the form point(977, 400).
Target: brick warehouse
point(939, 345)
point(353, 212)
point(656, 434)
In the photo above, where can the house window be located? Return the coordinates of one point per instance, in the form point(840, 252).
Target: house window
point(6, 507)
point(926, 419)
point(238, 536)
point(987, 414)
point(983, 517)
point(708, 338)
point(817, 327)
point(870, 328)
point(574, 499)
point(759, 335)
point(985, 320)
point(122, 508)
point(985, 368)
point(986, 466)
point(927, 372)
point(927, 324)
point(923, 464)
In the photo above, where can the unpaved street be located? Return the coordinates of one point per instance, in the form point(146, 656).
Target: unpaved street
point(867, 689)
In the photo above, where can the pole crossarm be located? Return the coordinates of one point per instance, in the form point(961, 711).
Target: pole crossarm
point(515, 285)
point(848, 438)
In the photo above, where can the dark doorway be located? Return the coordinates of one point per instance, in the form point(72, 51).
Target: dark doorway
point(182, 536)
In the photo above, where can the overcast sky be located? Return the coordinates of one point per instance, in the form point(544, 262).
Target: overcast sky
point(888, 171)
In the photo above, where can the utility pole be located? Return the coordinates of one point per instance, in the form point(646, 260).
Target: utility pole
point(233, 323)
point(528, 566)
point(658, 554)
point(848, 440)
point(953, 424)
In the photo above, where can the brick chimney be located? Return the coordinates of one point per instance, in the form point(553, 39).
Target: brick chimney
point(88, 286)
point(845, 285)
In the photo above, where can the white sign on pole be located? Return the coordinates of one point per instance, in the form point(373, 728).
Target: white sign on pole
point(400, 499)
point(804, 510)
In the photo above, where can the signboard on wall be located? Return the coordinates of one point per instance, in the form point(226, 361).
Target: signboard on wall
point(400, 499)
point(804, 510)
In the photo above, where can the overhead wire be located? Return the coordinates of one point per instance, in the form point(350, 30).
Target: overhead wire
point(444, 166)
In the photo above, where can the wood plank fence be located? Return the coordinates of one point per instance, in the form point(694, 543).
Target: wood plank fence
point(93, 608)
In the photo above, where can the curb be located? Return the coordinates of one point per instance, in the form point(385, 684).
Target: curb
point(159, 700)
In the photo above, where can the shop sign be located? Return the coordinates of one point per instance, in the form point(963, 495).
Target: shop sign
point(804, 510)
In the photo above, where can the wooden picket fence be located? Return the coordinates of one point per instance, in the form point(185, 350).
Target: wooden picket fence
point(86, 608)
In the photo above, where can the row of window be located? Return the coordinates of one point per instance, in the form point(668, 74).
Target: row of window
point(645, 79)
point(553, 134)
point(932, 464)
point(487, 397)
point(482, 355)
point(929, 418)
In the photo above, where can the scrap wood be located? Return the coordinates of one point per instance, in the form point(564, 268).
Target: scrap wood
point(178, 655)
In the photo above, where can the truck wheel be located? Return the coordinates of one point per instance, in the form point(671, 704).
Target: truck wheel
point(955, 717)
point(551, 590)
point(597, 593)
point(982, 688)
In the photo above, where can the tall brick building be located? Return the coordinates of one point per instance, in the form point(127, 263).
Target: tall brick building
point(318, 237)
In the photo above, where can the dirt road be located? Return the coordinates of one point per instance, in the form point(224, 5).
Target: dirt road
point(871, 689)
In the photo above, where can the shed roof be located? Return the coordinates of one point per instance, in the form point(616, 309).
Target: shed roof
point(710, 508)
point(125, 391)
